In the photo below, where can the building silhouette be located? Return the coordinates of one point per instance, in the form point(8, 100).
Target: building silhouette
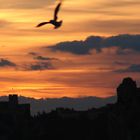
point(13, 109)
point(118, 121)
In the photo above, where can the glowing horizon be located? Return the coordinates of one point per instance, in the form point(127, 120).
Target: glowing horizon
point(64, 73)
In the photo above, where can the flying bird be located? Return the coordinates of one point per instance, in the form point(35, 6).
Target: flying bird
point(54, 21)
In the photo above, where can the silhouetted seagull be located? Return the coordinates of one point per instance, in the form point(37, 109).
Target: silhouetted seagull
point(54, 22)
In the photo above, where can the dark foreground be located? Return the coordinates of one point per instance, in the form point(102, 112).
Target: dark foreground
point(119, 121)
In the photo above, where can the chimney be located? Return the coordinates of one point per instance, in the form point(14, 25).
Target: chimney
point(13, 99)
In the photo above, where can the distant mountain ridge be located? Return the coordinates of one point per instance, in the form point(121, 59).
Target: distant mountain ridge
point(84, 103)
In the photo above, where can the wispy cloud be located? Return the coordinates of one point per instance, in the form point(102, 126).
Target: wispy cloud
point(38, 66)
point(6, 63)
point(25, 4)
point(120, 3)
point(45, 58)
point(134, 68)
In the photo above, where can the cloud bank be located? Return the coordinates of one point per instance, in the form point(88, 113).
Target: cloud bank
point(122, 42)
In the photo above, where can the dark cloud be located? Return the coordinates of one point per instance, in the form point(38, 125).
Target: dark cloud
point(123, 42)
point(39, 66)
point(121, 63)
point(79, 47)
point(132, 68)
point(33, 53)
point(44, 58)
point(6, 63)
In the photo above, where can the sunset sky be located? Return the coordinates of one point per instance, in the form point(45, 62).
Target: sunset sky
point(87, 56)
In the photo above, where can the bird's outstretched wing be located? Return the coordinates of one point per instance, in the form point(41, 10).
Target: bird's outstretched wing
point(41, 24)
point(56, 11)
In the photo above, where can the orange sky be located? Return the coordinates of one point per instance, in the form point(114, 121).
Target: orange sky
point(74, 75)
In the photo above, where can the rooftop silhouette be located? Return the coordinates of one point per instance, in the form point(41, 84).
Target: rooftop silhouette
point(13, 108)
point(118, 121)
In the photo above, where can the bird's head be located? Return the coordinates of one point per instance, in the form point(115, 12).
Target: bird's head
point(51, 21)
point(61, 21)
